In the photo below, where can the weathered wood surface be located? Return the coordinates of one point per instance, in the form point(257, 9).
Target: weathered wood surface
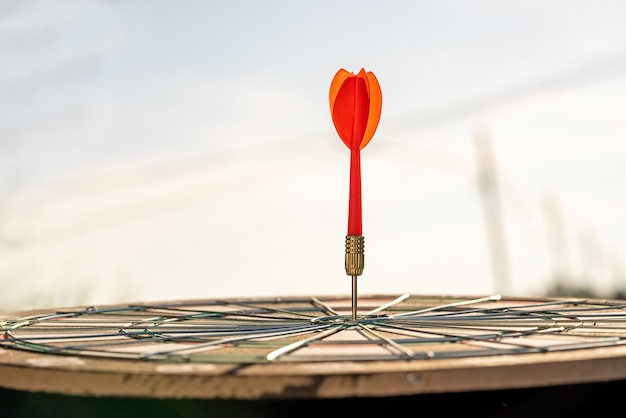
point(102, 377)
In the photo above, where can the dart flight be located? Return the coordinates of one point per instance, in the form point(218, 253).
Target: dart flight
point(355, 106)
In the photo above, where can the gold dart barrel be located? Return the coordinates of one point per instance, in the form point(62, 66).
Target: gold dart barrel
point(355, 257)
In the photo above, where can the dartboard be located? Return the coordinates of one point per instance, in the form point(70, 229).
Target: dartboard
point(312, 346)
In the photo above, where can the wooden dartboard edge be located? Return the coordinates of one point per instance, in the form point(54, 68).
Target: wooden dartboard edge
point(89, 376)
point(74, 375)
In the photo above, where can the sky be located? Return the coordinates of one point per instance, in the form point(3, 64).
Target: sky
point(159, 150)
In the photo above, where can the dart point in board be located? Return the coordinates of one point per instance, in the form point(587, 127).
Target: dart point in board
point(355, 107)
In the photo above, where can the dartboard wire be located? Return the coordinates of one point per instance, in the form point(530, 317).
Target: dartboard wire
point(155, 337)
point(511, 313)
point(91, 349)
point(551, 328)
point(286, 311)
point(257, 312)
point(160, 321)
point(157, 319)
point(256, 323)
point(500, 337)
point(464, 323)
point(431, 336)
point(202, 334)
point(409, 332)
point(327, 308)
point(503, 337)
point(509, 309)
point(477, 324)
point(206, 314)
point(199, 314)
point(492, 298)
point(499, 311)
point(462, 317)
point(370, 316)
point(242, 303)
point(568, 317)
point(419, 321)
point(144, 308)
point(32, 319)
point(502, 340)
point(301, 343)
point(154, 321)
point(209, 326)
point(336, 316)
point(253, 314)
point(233, 340)
point(146, 333)
point(388, 305)
point(408, 354)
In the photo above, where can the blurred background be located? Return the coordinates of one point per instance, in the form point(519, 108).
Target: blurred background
point(161, 150)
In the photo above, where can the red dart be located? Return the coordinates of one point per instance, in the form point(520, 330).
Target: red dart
point(355, 105)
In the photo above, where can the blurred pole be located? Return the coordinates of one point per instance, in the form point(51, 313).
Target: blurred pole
point(617, 273)
point(590, 259)
point(557, 238)
point(490, 196)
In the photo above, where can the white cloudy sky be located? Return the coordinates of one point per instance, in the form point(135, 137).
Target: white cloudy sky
point(168, 150)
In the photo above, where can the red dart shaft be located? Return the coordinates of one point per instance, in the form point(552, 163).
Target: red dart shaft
point(359, 120)
point(355, 216)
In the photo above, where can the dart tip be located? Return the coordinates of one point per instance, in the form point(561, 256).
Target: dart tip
point(354, 299)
